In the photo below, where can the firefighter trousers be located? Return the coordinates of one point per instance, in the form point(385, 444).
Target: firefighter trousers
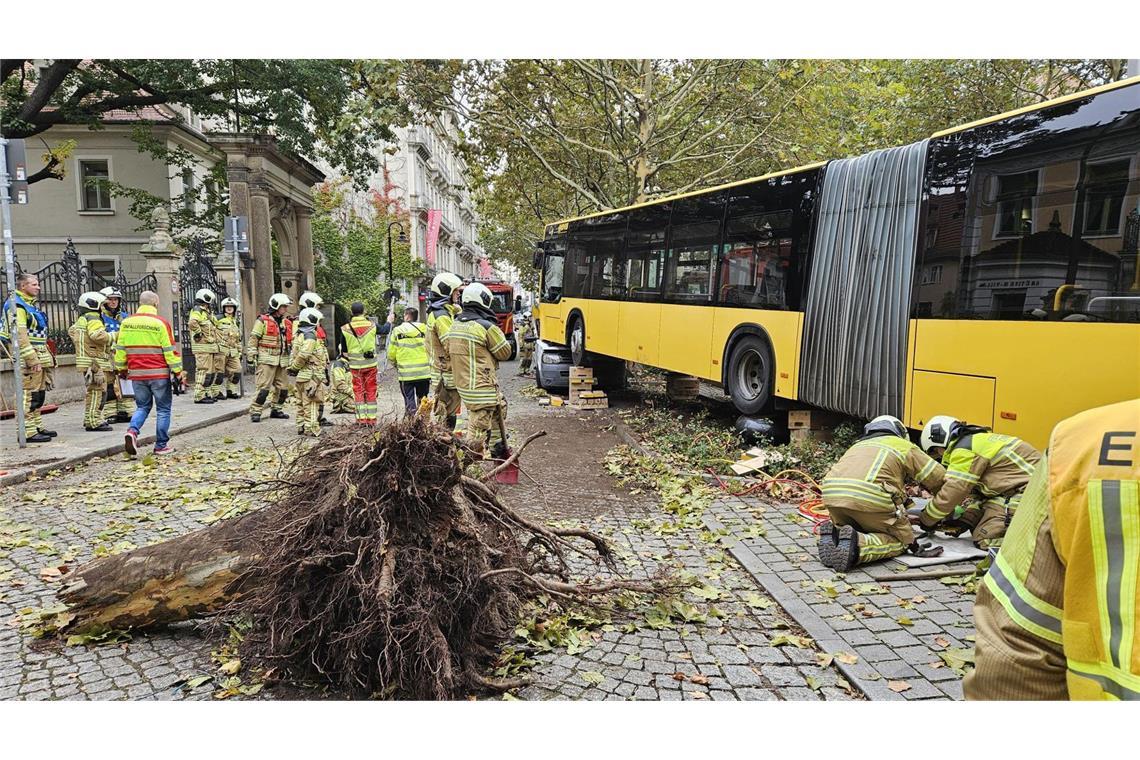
point(208, 374)
point(364, 395)
point(310, 397)
point(94, 381)
point(883, 532)
point(271, 388)
point(483, 425)
point(446, 404)
point(36, 385)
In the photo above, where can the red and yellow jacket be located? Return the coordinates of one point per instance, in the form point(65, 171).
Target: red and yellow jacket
point(146, 347)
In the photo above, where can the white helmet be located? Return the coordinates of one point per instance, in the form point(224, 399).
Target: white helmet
point(310, 300)
point(230, 302)
point(277, 300)
point(478, 293)
point(91, 300)
point(206, 296)
point(937, 432)
point(445, 283)
point(111, 292)
point(310, 316)
point(885, 423)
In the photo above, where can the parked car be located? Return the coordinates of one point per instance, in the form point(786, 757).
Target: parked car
point(551, 366)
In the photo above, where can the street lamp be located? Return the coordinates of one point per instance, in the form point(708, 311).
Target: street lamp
point(403, 238)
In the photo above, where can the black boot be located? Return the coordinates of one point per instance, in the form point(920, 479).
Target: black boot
point(122, 417)
point(838, 546)
point(39, 438)
point(204, 400)
point(100, 429)
point(48, 433)
point(277, 414)
point(255, 418)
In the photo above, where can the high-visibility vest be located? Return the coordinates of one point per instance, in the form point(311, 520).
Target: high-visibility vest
point(146, 346)
point(872, 474)
point(359, 338)
point(996, 466)
point(33, 326)
point(408, 351)
point(203, 328)
point(92, 342)
point(269, 343)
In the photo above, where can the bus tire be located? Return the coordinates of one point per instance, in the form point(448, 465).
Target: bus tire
point(751, 371)
point(576, 340)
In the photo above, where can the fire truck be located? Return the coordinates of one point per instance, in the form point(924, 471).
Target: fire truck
point(504, 307)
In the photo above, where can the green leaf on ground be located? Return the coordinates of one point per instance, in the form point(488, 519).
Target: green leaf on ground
point(800, 642)
point(757, 602)
point(592, 677)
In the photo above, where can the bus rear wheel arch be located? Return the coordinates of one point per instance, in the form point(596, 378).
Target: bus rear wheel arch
point(751, 370)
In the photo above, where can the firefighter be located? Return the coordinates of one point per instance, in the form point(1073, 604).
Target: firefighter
point(997, 466)
point(92, 357)
point(476, 346)
point(526, 346)
point(865, 496)
point(229, 341)
point(203, 328)
point(311, 300)
point(116, 406)
point(268, 349)
point(441, 313)
point(35, 360)
point(308, 363)
point(341, 396)
point(360, 349)
point(1056, 613)
point(407, 349)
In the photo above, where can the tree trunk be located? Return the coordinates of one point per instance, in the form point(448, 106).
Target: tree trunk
point(646, 126)
point(179, 579)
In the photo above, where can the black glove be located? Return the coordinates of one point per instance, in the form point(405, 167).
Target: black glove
point(369, 354)
point(292, 372)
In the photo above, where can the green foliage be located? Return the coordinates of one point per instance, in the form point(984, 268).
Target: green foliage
point(352, 249)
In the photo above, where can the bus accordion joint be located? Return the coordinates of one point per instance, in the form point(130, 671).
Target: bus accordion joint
point(1009, 415)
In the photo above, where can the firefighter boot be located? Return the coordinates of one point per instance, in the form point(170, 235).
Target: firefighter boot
point(838, 546)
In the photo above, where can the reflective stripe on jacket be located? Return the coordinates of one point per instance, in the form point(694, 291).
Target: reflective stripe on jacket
point(1056, 614)
point(309, 357)
point(146, 346)
point(359, 338)
point(476, 346)
point(872, 474)
point(439, 321)
point(229, 336)
point(31, 329)
point(92, 342)
point(203, 331)
point(408, 351)
point(994, 464)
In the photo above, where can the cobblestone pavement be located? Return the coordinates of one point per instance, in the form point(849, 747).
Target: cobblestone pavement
point(65, 518)
point(737, 657)
point(899, 631)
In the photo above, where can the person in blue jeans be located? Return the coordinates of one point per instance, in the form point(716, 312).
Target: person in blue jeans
point(159, 393)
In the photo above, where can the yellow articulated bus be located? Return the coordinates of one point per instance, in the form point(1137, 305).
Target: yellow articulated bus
point(988, 272)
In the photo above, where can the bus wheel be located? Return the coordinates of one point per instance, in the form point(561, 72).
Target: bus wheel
point(578, 341)
point(750, 373)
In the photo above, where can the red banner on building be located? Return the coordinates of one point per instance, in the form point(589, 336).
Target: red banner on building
point(434, 216)
point(485, 269)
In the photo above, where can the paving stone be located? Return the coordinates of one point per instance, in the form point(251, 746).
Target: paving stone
point(756, 695)
point(898, 639)
point(875, 653)
point(781, 676)
point(741, 676)
point(923, 690)
point(799, 695)
point(729, 654)
point(895, 669)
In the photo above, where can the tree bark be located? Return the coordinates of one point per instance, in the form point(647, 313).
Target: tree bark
point(179, 579)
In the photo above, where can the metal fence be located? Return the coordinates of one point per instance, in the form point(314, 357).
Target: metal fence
point(195, 272)
point(61, 284)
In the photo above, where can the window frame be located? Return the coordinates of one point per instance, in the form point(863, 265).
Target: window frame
point(1122, 215)
point(997, 233)
point(80, 189)
point(669, 272)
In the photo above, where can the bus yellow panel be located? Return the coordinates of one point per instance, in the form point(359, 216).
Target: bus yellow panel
point(685, 346)
point(1044, 371)
point(603, 327)
point(973, 397)
point(640, 331)
point(783, 328)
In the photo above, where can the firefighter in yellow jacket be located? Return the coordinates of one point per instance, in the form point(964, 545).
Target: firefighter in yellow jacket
point(1056, 613)
point(441, 314)
point(208, 359)
point(360, 350)
point(407, 350)
point(308, 363)
point(268, 349)
point(36, 362)
point(229, 343)
point(476, 345)
point(92, 358)
point(340, 388)
point(865, 496)
point(996, 466)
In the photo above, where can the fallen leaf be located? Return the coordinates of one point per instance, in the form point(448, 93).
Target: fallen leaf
point(231, 667)
point(898, 687)
point(942, 642)
point(757, 602)
point(814, 683)
point(847, 658)
point(698, 695)
point(678, 676)
point(592, 677)
point(824, 659)
point(700, 679)
point(905, 621)
point(918, 599)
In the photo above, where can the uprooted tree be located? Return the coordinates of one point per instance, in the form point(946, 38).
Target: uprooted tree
point(381, 568)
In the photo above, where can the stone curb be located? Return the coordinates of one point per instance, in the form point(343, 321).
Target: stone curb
point(21, 476)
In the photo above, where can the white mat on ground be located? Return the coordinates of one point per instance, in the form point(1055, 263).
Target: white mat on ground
point(953, 550)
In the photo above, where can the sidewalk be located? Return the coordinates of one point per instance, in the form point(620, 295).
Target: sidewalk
point(75, 445)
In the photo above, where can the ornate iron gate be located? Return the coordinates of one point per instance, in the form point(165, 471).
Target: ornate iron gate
point(196, 272)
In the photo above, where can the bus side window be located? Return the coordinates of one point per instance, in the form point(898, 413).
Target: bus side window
point(694, 239)
point(644, 255)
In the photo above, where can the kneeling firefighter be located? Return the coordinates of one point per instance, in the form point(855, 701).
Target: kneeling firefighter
point(865, 496)
point(997, 466)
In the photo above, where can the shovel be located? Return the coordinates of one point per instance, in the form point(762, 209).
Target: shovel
point(509, 474)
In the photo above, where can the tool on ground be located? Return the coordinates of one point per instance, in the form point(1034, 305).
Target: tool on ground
point(509, 474)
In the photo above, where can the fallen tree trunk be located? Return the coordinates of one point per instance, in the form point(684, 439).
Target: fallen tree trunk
point(180, 579)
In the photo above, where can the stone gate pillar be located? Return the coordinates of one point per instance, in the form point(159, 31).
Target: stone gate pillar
point(237, 174)
point(163, 257)
point(305, 261)
point(259, 240)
